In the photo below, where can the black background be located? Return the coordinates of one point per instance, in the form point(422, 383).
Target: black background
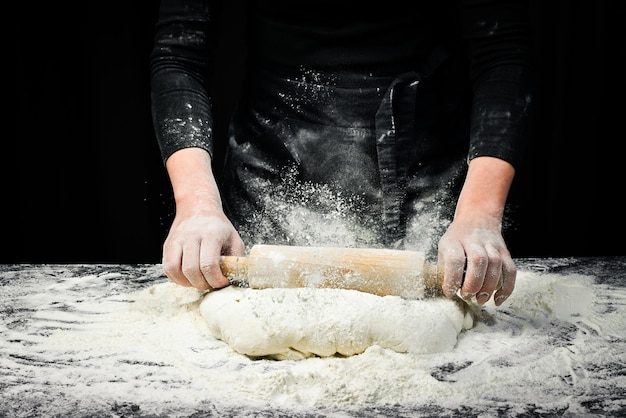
point(84, 182)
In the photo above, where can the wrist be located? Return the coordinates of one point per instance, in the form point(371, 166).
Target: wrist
point(197, 199)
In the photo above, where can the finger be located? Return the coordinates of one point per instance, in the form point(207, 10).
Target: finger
point(172, 263)
point(492, 276)
point(509, 275)
point(236, 247)
point(191, 266)
point(477, 263)
point(210, 267)
point(453, 265)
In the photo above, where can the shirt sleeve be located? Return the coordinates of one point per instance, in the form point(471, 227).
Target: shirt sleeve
point(498, 38)
point(181, 63)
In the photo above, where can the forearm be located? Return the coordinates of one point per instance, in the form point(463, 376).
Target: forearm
point(485, 191)
point(192, 180)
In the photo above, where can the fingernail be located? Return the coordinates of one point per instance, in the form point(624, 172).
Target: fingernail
point(466, 295)
point(482, 298)
point(500, 299)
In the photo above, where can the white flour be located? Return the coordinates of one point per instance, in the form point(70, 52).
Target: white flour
point(556, 345)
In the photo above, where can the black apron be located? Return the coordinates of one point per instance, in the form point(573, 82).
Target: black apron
point(345, 159)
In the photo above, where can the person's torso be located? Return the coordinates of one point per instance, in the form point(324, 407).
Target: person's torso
point(322, 34)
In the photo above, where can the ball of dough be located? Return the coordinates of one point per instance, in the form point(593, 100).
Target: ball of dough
point(296, 323)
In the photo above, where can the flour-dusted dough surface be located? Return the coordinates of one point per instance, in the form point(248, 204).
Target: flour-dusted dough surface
point(296, 323)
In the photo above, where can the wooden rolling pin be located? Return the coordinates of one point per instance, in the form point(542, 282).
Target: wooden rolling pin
point(378, 271)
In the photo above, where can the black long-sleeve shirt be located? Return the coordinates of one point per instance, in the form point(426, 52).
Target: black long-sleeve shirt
point(391, 36)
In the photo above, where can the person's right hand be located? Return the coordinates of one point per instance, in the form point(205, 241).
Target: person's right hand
point(196, 240)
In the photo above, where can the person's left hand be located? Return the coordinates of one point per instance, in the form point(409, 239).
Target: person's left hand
point(476, 260)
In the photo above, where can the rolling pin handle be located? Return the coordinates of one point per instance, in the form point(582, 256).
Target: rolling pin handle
point(235, 269)
point(433, 276)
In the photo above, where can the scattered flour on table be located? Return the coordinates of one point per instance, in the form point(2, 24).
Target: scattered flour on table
point(554, 343)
